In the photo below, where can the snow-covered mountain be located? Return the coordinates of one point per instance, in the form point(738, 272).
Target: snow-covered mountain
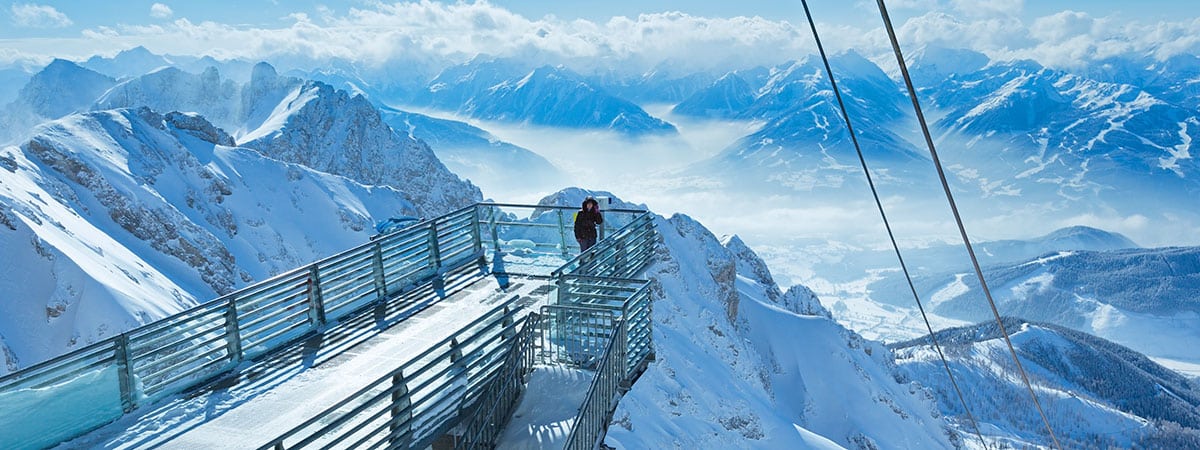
point(1144, 299)
point(172, 89)
point(1021, 131)
point(308, 123)
point(661, 85)
point(549, 95)
point(122, 217)
point(1175, 79)
point(1096, 394)
point(475, 154)
point(61, 88)
point(953, 257)
point(802, 144)
point(127, 63)
point(352, 140)
point(740, 364)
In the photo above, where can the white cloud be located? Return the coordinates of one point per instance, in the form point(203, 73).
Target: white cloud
point(985, 8)
point(161, 11)
point(435, 33)
point(39, 16)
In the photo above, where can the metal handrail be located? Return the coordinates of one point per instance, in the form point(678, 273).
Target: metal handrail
point(502, 393)
point(433, 367)
point(602, 395)
point(187, 348)
point(190, 347)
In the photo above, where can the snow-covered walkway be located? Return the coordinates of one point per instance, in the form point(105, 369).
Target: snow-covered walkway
point(266, 398)
point(548, 408)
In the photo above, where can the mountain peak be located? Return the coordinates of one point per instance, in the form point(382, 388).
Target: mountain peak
point(262, 72)
point(934, 60)
point(61, 88)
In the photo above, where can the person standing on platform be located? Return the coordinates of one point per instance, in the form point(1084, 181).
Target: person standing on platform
point(586, 220)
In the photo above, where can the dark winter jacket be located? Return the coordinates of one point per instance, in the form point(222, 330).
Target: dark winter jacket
point(586, 221)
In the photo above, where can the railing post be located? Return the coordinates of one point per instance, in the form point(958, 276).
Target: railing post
point(476, 236)
point(494, 227)
point(456, 354)
point(316, 305)
point(435, 256)
point(562, 232)
point(381, 289)
point(506, 325)
point(125, 372)
point(233, 334)
point(401, 413)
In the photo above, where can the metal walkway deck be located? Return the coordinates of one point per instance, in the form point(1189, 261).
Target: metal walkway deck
point(278, 393)
point(388, 345)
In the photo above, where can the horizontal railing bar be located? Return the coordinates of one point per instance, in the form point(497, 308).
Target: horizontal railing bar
point(288, 326)
point(267, 316)
point(183, 334)
point(37, 382)
point(576, 276)
point(330, 275)
point(253, 305)
point(69, 358)
point(164, 371)
point(175, 359)
point(552, 207)
point(354, 302)
point(334, 287)
point(191, 315)
point(406, 243)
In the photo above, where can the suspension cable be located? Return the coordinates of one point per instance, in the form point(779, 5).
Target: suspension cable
point(912, 92)
point(875, 194)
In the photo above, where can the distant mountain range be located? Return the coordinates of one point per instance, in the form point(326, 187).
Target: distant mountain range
point(1097, 394)
point(503, 90)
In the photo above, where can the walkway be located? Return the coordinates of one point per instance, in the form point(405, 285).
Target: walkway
point(272, 396)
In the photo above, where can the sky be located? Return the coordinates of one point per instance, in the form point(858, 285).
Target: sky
point(624, 32)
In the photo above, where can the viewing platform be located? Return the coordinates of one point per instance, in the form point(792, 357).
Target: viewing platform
point(422, 336)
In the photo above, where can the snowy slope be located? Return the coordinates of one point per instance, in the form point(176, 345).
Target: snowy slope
point(1096, 393)
point(1145, 299)
point(172, 89)
point(308, 123)
point(125, 216)
point(548, 95)
point(735, 369)
point(803, 145)
point(60, 88)
point(476, 154)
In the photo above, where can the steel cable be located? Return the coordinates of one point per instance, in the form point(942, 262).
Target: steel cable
point(912, 92)
point(887, 224)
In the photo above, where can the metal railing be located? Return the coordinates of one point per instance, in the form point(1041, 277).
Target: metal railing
point(573, 335)
point(502, 393)
point(622, 254)
point(626, 299)
point(545, 231)
point(421, 399)
point(594, 414)
point(42, 403)
point(116, 375)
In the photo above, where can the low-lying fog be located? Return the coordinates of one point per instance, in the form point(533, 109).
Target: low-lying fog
point(827, 240)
